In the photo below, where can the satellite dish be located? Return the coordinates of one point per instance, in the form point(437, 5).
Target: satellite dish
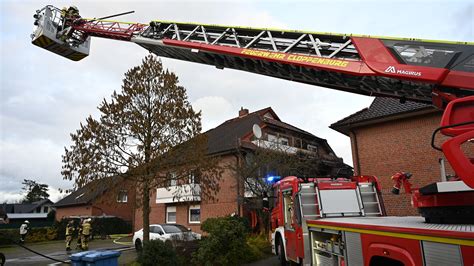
point(257, 131)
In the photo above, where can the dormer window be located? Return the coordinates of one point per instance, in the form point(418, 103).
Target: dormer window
point(268, 115)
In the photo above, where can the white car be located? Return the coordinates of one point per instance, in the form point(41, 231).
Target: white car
point(165, 232)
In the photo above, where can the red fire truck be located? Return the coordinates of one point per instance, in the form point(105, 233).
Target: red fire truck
point(341, 221)
point(331, 221)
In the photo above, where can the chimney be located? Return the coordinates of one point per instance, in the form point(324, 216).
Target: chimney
point(243, 112)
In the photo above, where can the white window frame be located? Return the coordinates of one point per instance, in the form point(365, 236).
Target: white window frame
point(192, 178)
point(173, 179)
point(121, 199)
point(194, 207)
point(272, 138)
point(171, 209)
point(312, 148)
point(281, 139)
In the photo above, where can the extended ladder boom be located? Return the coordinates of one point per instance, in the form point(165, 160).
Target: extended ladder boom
point(409, 69)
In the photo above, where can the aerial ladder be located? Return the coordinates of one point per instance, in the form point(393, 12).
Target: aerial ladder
point(435, 72)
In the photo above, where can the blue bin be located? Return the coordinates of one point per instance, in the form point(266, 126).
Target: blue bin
point(101, 258)
point(76, 258)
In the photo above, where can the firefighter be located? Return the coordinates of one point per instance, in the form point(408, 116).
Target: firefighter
point(69, 234)
point(79, 234)
point(86, 232)
point(24, 231)
point(68, 15)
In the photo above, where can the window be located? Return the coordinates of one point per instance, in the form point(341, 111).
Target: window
point(45, 209)
point(283, 141)
point(312, 148)
point(268, 115)
point(194, 177)
point(156, 230)
point(272, 138)
point(288, 209)
point(172, 180)
point(171, 214)
point(194, 214)
point(172, 229)
point(122, 196)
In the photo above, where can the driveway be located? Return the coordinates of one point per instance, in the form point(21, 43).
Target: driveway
point(16, 255)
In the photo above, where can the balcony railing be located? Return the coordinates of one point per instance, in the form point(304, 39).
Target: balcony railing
point(183, 193)
point(279, 147)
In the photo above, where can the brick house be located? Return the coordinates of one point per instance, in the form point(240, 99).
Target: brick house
point(224, 141)
point(99, 198)
point(389, 137)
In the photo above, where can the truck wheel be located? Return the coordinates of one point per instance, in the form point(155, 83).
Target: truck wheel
point(281, 253)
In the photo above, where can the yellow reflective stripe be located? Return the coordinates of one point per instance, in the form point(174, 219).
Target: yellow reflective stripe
point(76, 56)
point(39, 41)
point(455, 241)
point(43, 41)
point(298, 31)
point(121, 22)
point(322, 33)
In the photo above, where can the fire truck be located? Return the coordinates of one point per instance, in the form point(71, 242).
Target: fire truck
point(331, 221)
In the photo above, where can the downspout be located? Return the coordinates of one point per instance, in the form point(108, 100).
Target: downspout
point(355, 152)
point(238, 178)
point(239, 198)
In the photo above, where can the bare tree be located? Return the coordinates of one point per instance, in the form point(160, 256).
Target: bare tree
point(260, 168)
point(145, 131)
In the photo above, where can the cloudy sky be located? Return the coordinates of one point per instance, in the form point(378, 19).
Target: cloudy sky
point(44, 97)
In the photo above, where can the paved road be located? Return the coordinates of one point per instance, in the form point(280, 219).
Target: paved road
point(16, 255)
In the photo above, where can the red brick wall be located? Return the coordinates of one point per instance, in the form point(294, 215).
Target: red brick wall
point(225, 203)
point(400, 145)
point(105, 205)
point(82, 210)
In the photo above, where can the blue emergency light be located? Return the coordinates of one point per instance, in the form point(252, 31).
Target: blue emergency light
point(272, 178)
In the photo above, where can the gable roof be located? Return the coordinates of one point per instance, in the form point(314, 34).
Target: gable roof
point(24, 207)
point(220, 140)
point(381, 109)
point(85, 194)
point(225, 137)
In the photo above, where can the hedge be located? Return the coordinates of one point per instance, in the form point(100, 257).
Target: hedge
point(7, 236)
point(100, 227)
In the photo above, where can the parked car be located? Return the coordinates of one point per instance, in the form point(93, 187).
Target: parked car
point(165, 232)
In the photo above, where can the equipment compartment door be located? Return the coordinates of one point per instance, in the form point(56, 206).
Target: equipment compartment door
point(289, 219)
